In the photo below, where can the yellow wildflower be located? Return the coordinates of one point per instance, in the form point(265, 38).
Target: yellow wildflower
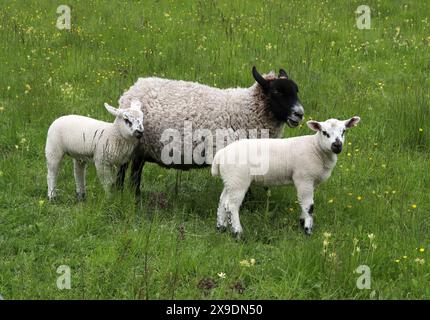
point(245, 263)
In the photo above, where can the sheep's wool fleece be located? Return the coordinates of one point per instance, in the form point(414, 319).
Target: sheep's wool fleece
point(167, 104)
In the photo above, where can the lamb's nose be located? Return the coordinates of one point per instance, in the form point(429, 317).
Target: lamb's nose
point(336, 146)
point(138, 134)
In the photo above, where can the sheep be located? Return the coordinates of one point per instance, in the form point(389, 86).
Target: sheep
point(108, 145)
point(171, 104)
point(304, 161)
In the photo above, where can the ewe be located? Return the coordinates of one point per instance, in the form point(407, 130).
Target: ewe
point(171, 104)
point(108, 145)
point(304, 161)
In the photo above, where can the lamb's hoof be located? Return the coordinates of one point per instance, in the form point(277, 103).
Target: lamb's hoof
point(308, 231)
point(52, 199)
point(237, 235)
point(221, 229)
point(81, 197)
point(302, 222)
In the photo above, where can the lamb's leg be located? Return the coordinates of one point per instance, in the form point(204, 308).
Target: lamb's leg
point(222, 212)
point(305, 194)
point(53, 161)
point(106, 175)
point(136, 173)
point(233, 203)
point(79, 171)
point(120, 177)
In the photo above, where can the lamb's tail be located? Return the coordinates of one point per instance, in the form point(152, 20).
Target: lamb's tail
point(215, 165)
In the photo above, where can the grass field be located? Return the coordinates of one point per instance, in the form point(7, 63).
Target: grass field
point(373, 211)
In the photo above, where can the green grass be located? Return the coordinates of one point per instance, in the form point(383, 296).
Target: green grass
point(117, 252)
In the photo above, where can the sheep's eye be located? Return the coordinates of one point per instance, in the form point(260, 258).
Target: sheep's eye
point(127, 122)
point(343, 132)
point(326, 134)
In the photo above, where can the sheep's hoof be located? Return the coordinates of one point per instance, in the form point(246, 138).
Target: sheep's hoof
point(81, 196)
point(52, 198)
point(221, 229)
point(138, 202)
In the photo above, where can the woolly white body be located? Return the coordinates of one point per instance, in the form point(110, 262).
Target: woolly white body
point(108, 145)
point(304, 161)
point(290, 160)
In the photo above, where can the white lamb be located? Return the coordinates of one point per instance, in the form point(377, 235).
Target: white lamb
point(108, 145)
point(304, 161)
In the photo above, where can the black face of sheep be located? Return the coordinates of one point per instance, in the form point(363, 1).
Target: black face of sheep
point(282, 94)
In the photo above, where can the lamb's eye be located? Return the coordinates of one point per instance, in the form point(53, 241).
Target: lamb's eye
point(127, 122)
point(343, 132)
point(326, 134)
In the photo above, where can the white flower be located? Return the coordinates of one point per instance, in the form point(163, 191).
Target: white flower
point(222, 275)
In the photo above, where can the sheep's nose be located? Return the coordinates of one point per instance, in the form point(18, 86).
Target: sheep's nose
point(298, 110)
point(138, 134)
point(336, 146)
point(299, 115)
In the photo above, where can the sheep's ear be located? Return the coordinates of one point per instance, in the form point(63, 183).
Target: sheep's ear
point(261, 81)
point(282, 74)
point(314, 125)
point(112, 110)
point(350, 123)
point(136, 104)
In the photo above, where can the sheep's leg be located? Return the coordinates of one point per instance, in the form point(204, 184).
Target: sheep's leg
point(79, 171)
point(222, 220)
point(305, 194)
point(233, 203)
point(53, 161)
point(120, 177)
point(106, 175)
point(136, 174)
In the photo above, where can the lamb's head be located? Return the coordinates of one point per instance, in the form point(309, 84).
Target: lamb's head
point(331, 133)
point(282, 95)
point(129, 121)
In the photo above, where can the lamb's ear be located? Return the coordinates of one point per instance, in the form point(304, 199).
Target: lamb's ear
point(136, 104)
point(112, 110)
point(314, 125)
point(282, 74)
point(261, 81)
point(350, 123)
